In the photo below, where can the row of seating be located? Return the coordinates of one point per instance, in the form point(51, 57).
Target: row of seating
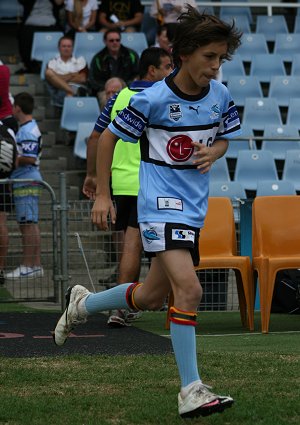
point(275, 247)
point(257, 165)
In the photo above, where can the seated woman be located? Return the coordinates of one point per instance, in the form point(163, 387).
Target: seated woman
point(81, 16)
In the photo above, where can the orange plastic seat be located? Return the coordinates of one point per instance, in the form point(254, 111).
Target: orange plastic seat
point(218, 250)
point(275, 244)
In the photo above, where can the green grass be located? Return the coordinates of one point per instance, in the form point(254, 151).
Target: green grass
point(261, 372)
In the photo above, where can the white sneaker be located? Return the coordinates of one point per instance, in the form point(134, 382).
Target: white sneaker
point(200, 401)
point(22, 272)
point(117, 319)
point(71, 316)
point(133, 315)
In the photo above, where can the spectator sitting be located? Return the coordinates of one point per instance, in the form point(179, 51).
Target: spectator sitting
point(113, 85)
point(39, 15)
point(121, 14)
point(115, 60)
point(65, 74)
point(167, 11)
point(81, 16)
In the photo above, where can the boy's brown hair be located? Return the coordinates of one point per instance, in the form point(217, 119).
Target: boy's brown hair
point(197, 29)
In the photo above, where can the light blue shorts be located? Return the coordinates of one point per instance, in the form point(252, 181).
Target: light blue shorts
point(26, 200)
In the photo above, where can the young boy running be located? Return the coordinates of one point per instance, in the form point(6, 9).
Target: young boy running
point(183, 124)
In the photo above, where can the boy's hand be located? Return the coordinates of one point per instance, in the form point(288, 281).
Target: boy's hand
point(103, 207)
point(205, 157)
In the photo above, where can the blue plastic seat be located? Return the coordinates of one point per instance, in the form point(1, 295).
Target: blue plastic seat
point(278, 143)
point(234, 11)
point(245, 143)
point(283, 88)
point(252, 44)
point(219, 170)
point(134, 40)
point(233, 67)
point(242, 87)
point(44, 43)
point(233, 190)
point(78, 109)
point(275, 187)
point(259, 111)
point(242, 22)
point(254, 166)
point(297, 22)
point(87, 44)
point(295, 70)
point(10, 11)
point(291, 168)
point(83, 132)
point(266, 65)
point(287, 45)
point(293, 112)
point(271, 25)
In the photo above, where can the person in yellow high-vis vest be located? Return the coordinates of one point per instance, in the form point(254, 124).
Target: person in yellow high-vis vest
point(155, 64)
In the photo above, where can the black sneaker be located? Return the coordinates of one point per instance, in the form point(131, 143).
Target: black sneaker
point(2, 277)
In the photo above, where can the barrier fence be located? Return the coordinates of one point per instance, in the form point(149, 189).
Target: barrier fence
point(74, 251)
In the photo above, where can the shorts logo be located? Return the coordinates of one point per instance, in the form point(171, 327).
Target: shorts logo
point(179, 148)
point(183, 235)
point(175, 112)
point(150, 235)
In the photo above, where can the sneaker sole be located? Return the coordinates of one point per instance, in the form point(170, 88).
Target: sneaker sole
point(209, 410)
point(117, 322)
point(67, 298)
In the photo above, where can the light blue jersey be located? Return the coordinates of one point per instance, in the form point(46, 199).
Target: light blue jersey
point(166, 121)
point(29, 143)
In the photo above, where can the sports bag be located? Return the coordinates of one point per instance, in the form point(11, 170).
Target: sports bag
point(286, 295)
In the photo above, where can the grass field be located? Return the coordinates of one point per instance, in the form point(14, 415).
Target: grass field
point(261, 372)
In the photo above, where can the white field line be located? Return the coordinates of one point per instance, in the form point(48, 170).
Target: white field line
point(242, 334)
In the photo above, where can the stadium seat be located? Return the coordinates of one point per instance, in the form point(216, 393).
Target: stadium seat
point(233, 67)
point(253, 166)
point(295, 70)
point(78, 109)
point(242, 22)
point(219, 170)
point(242, 87)
point(293, 112)
point(87, 44)
point(10, 11)
point(83, 132)
point(218, 247)
point(275, 188)
point(232, 190)
point(134, 40)
point(283, 88)
point(252, 44)
point(259, 111)
point(287, 45)
point(234, 11)
point(266, 65)
point(149, 26)
point(44, 42)
point(236, 145)
point(275, 244)
point(277, 142)
point(271, 25)
point(291, 168)
point(46, 58)
point(297, 22)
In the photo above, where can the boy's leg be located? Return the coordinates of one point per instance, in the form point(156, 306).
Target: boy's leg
point(81, 303)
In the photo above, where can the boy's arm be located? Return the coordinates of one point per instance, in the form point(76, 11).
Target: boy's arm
point(103, 204)
point(89, 185)
point(205, 156)
point(25, 160)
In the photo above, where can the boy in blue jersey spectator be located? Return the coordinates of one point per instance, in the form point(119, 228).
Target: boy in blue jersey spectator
point(26, 195)
point(183, 124)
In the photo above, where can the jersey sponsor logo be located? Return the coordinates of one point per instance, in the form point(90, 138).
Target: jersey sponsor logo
point(175, 112)
point(191, 108)
point(169, 204)
point(216, 111)
point(179, 148)
point(183, 235)
point(150, 235)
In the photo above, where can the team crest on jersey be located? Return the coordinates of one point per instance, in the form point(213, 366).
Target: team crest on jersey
point(215, 111)
point(175, 112)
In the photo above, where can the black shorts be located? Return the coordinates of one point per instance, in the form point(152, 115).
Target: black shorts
point(6, 202)
point(158, 237)
point(126, 207)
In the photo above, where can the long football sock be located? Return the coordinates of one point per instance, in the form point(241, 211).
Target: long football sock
point(183, 336)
